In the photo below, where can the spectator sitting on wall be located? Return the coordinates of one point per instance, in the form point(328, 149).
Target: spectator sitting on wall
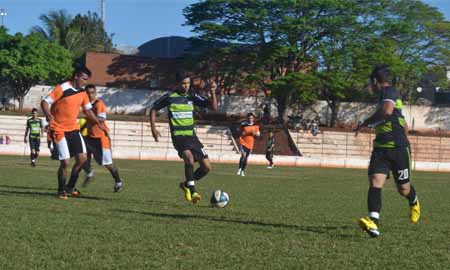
point(315, 128)
point(266, 114)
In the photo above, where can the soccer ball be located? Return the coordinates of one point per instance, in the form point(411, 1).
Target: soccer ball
point(219, 199)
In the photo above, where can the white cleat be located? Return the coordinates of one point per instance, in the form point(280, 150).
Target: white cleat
point(239, 172)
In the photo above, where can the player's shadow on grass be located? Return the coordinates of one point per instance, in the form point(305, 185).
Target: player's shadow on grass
point(23, 187)
point(311, 229)
point(49, 194)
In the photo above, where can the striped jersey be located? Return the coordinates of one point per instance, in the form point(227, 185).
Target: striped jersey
point(181, 111)
point(391, 132)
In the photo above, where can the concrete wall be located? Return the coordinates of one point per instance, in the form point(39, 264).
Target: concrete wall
point(136, 101)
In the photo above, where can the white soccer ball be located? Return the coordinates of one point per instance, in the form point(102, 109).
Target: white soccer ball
point(219, 199)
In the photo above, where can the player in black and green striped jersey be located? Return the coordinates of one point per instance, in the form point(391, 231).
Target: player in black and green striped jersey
point(391, 152)
point(33, 132)
point(180, 105)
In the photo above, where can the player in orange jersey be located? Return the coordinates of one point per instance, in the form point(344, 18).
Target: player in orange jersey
point(61, 107)
point(98, 142)
point(249, 130)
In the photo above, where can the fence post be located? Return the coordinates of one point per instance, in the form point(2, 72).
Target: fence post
point(114, 134)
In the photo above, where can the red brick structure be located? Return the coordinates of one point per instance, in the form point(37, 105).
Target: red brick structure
point(131, 71)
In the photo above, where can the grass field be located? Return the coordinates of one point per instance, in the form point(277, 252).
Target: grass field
point(285, 218)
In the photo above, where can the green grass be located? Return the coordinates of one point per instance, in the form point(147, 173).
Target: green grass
point(285, 218)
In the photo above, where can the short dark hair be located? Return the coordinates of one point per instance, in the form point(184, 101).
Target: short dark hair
point(89, 86)
point(181, 75)
point(34, 110)
point(250, 114)
point(382, 74)
point(81, 70)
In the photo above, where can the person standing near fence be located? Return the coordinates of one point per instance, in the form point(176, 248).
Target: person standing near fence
point(390, 153)
point(270, 149)
point(98, 143)
point(35, 129)
point(249, 130)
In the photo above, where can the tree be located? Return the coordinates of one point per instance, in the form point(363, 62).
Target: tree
point(28, 60)
point(419, 39)
point(77, 34)
point(283, 34)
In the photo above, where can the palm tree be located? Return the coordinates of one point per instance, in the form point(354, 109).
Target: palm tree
point(77, 34)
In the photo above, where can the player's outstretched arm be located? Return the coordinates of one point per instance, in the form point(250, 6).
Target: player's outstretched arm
point(380, 115)
point(94, 119)
point(155, 132)
point(46, 109)
point(26, 134)
point(212, 90)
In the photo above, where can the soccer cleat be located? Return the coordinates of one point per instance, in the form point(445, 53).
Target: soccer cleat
point(33, 163)
point(414, 213)
point(242, 173)
point(270, 167)
point(196, 197)
point(73, 192)
point(367, 225)
point(187, 192)
point(88, 179)
point(62, 196)
point(239, 172)
point(118, 186)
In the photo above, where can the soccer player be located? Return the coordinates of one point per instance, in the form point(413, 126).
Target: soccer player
point(180, 105)
point(391, 152)
point(249, 130)
point(270, 149)
point(97, 141)
point(65, 101)
point(35, 127)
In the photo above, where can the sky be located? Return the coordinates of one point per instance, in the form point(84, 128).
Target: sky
point(133, 22)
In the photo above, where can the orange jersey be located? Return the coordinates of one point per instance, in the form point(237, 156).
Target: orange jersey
point(65, 103)
point(99, 109)
point(247, 139)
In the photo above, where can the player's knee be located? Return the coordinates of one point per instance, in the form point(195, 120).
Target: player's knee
point(189, 161)
point(404, 189)
point(206, 168)
point(63, 164)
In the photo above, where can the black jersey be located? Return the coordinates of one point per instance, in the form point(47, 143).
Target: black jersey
point(391, 132)
point(270, 145)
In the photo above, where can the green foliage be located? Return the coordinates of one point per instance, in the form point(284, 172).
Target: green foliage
point(340, 41)
point(28, 60)
point(78, 34)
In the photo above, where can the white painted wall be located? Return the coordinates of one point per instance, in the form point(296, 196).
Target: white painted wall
point(137, 101)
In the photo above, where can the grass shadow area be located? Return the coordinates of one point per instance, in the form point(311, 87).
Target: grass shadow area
point(310, 229)
point(48, 194)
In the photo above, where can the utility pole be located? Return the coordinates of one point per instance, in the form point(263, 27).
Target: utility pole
point(3, 14)
point(102, 11)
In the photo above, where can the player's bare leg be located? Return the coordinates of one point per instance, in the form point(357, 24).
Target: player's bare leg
point(80, 159)
point(118, 184)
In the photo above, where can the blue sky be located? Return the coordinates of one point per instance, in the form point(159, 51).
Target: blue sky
point(133, 22)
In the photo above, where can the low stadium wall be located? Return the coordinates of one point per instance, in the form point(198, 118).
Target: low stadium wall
point(137, 101)
point(171, 155)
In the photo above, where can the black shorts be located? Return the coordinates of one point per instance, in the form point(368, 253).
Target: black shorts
point(245, 150)
point(397, 160)
point(70, 145)
point(35, 144)
point(101, 155)
point(183, 143)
